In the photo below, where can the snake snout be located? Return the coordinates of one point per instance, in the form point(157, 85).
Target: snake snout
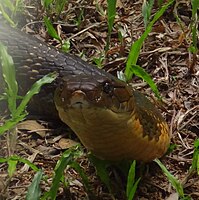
point(77, 92)
point(78, 99)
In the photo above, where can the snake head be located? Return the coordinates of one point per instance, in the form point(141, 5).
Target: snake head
point(76, 92)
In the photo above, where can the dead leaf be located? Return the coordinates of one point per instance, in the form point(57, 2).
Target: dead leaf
point(46, 150)
point(173, 196)
point(32, 126)
point(66, 143)
point(119, 4)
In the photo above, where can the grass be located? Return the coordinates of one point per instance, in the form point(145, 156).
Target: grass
point(131, 65)
point(67, 160)
point(65, 44)
point(193, 47)
point(9, 9)
point(54, 7)
point(195, 162)
point(194, 169)
point(18, 113)
point(175, 183)
point(146, 11)
point(132, 183)
point(194, 29)
point(111, 10)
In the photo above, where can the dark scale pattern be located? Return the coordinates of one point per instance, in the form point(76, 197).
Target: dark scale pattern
point(26, 49)
point(149, 116)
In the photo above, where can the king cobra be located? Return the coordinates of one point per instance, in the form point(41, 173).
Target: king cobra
point(112, 120)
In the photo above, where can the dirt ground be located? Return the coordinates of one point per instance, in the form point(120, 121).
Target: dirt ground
point(164, 56)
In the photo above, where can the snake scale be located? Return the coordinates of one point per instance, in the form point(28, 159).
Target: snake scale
point(112, 120)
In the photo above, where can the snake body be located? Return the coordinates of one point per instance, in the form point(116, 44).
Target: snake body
point(112, 121)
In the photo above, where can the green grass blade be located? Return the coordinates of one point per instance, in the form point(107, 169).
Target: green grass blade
point(131, 186)
point(25, 161)
point(65, 160)
point(111, 18)
point(197, 164)
point(60, 6)
point(8, 4)
point(140, 72)
point(46, 3)
point(146, 11)
point(136, 46)
point(194, 25)
point(12, 167)
point(20, 113)
point(3, 160)
point(101, 169)
point(5, 15)
point(84, 178)
point(52, 32)
point(195, 161)
point(174, 182)
point(35, 89)
point(111, 14)
point(133, 189)
point(65, 46)
point(12, 162)
point(10, 123)
point(131, 178)
point(34, 191)
point(8, 71)
point(195, 7)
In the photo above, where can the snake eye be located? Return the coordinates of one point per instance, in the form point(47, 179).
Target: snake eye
point(107, 88)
